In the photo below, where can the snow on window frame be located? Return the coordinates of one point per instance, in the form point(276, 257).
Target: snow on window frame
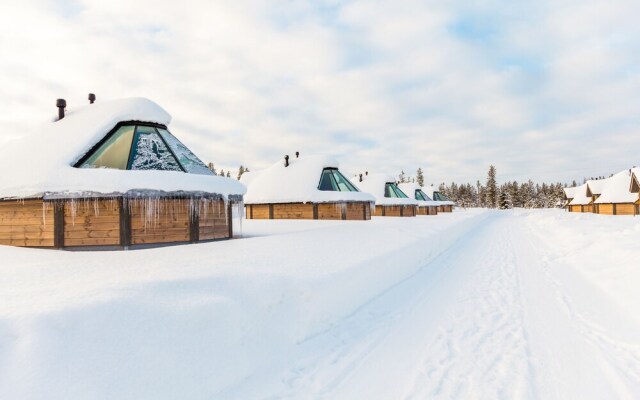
point(82, 160)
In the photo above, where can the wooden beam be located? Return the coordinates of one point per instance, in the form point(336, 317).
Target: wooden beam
point(344, 211)
point(194, 225)
point(270, 211)
point(58, 224)
point(125, 223)
point(230, 218)
point(315, 210)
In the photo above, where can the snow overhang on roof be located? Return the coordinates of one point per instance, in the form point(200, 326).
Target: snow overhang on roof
point(409, 188)
point(569, 192)
point(297, 183)
point(595, 186)
point(617, 189)
point(42, 162)
point(580, 197)
point(375, 184)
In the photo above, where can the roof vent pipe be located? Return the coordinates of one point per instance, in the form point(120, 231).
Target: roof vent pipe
point(366, 173)
point(286, 161)
point(92, 98)
point(297, 154)
point(360, 177)
point(61, 104)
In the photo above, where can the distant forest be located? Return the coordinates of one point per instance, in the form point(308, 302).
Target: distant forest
point(491, 195)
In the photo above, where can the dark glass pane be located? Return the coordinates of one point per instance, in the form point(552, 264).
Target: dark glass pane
point(399, 193)
point(388, 190)
point(189, 161)
point(114, 153)
point(151, 153)
point(327, 182)
point(420, 195)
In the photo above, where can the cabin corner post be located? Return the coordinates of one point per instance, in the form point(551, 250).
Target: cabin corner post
point(230, 219)
point(125, 223)
point(343, 210)
point(315, 210)
point(194, 223)
point(58, 224)
point(270, 211)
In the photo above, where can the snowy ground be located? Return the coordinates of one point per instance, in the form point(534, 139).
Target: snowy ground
point(474, 304)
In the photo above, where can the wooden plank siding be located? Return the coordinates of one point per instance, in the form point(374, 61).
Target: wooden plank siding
point(427, 210)
point(27, 223)
point(113, 222)
point(328, 211)
point(395, 211)
point(91, 223)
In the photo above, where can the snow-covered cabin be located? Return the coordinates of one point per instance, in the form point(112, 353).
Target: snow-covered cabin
point(390, 200)
point(594, 190)
point(568, 194)
point(581, 201)
point(445, 205)
point(111, 174)
point(304, 187)
point(426, 205)
point(618, 197)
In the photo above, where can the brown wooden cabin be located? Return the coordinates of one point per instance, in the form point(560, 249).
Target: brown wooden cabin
point(335, 210)
point(391, 201)
point(619, 195)
point(144, 214)
point(114, 222)
point(426, 206)
point(321, 191)
point(581, 202)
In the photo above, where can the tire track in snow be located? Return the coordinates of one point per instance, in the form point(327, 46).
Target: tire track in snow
point(481, 350)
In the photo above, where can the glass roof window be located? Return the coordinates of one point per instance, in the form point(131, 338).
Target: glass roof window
point(392, 190)
point(420, 195)
point(440, 197)
point(143, 147)
point(332, 180)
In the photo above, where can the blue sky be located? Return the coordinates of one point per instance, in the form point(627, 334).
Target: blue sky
point(545, 90)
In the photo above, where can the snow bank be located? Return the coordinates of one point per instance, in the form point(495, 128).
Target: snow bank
point(296, 183)
point(618, 189)
point(375, 184)
point(41, 162)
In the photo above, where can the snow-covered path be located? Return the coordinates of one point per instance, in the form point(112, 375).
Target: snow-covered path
point(475, 304)
point(488, 318)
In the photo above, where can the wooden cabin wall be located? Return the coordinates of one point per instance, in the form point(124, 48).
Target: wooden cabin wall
point(107, 222)
point(329, 211)
point(587, 208)
point(395, 211)
point(606, 209)
point(625, 209)
point(213, 221)
point(92, 223)
point(26, 223)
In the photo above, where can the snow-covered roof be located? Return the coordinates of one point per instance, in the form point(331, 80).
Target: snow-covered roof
point(595, 186)
point(409, 188)
point(429, 190)
point(569, 192)
point(42, 162)
point(617, 189)
point(635, 180)
point(376, 183)
point(296, 183)
point(580, 197)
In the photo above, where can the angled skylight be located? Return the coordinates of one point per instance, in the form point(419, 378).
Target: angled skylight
point(420, 195)
point(392, 190)
point(135, 146)
point(332, 180)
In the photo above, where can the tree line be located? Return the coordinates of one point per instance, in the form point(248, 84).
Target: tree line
point(491, 195)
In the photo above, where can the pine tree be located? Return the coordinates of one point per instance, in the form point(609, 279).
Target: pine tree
point(212, 168)
point(228, 174)
point(420, 177)
point(505, 202)
point(492, 189)
point(222, 172)
point(241, 171)
point(402, 177)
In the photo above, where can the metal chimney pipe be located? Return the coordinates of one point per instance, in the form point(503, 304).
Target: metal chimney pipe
point(286, 161)
point(61, 104)
point(360, 177)
point(92, 98)
point(297, 154)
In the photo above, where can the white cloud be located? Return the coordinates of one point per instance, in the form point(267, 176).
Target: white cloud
point(541, 89)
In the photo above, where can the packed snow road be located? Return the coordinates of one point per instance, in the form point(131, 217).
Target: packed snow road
point(475, 304)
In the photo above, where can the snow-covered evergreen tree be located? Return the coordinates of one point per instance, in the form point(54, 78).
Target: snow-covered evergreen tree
point(492, 188)
point(241, 171)
point(420, 177)
point(212, 168)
